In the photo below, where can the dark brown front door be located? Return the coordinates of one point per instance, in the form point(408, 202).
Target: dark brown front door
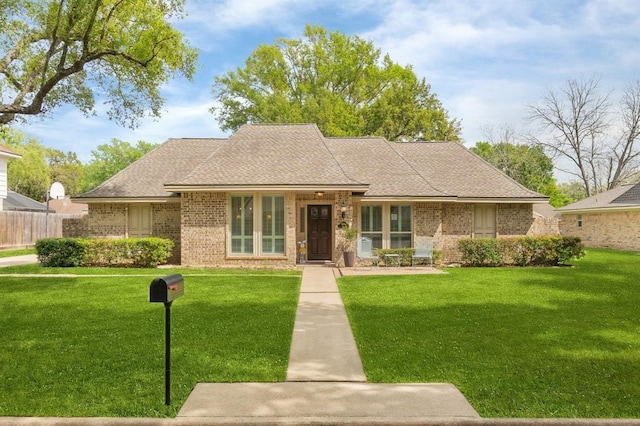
point(319, 232)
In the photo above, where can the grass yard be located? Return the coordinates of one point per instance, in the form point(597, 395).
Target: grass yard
point(16, 252)
point(536, 342)
point(94, 346)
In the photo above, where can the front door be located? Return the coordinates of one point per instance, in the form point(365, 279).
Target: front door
point(319, 232)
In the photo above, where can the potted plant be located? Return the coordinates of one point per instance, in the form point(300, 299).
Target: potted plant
point(349, 234)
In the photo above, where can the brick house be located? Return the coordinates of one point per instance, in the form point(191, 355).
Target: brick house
point(607, 220)
point(251, 199)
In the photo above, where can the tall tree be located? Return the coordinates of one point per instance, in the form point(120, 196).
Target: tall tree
point(581, 127)
point(28, 175)
point(54, 52)
point(341, 83)
point(526, 164)
point(109, 159)
point(66, 169)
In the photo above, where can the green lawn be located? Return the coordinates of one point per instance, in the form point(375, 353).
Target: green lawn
point(94, 346)
point(16, 252)
point(535, 342)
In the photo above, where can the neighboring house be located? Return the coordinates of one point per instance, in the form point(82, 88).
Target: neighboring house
point(251, 199)
point(66, 206)
point(5, 153)
point(22, 203)
point(608, 220)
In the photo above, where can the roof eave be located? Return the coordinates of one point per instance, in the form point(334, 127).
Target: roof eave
point(284, 188)
point(607, 209)
point(453, 199)
point(93, 200)
point(514, 200)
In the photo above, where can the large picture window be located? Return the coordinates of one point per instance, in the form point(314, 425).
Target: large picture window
point(257, 225)
point(388, 226)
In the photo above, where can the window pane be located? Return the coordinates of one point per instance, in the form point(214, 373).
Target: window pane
point(395, 219)
point(371, 218)
point(248, 216)
point(405, 218)
point(376, 239)
point(278, 216)
point(272, 224)
point(241, 224)
point(279, 246)
point(400, 240)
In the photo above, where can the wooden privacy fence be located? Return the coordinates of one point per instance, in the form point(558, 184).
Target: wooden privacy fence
point(22, 229)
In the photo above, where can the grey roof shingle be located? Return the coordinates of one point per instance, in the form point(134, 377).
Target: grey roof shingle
point(299, 155)
point(271, 154)
point(618, 197)
point(146, 177)
point(631, 196)
point(19, 202)
point(452, 168)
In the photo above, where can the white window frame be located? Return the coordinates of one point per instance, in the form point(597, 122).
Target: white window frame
point(386, 221)
point(257, 225)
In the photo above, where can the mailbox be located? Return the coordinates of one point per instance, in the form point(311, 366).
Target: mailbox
point(166, 289)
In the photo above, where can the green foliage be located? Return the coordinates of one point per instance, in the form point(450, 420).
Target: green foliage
point(60, 52)
point(137, 252)
point(66, 169)
point(109, 159)
point(339, 82)
point(571, 192)
point(39, 166)
point(481, 252)
point(71, 252)
point(16, 252)
point(526, 164)
point(28, 175)
point(60, 252)
point(521, 251)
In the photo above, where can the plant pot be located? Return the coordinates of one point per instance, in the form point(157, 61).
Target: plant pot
point(349, 258)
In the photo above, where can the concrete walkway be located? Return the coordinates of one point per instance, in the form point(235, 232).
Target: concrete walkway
point(18, 260)
point(322, 348)
point(325, 379)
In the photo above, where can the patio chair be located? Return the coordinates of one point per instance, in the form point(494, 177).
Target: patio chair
point(365, 251)
point(424, 250)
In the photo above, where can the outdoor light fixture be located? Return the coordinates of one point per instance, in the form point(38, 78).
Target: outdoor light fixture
point(319, 193)
point(343, 209)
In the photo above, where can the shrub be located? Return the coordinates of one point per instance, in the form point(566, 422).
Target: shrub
point(481, 252)
point(138, 252)
point(60, 252)
point(521, 251)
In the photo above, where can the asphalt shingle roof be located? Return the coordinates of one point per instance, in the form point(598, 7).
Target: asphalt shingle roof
point(19, 202)
point(270, 155)
point(453, 169)
point(618, 197)
point(299, 155)
point(146, 177)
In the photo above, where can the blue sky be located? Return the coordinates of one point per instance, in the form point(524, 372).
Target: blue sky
point(485, 59)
